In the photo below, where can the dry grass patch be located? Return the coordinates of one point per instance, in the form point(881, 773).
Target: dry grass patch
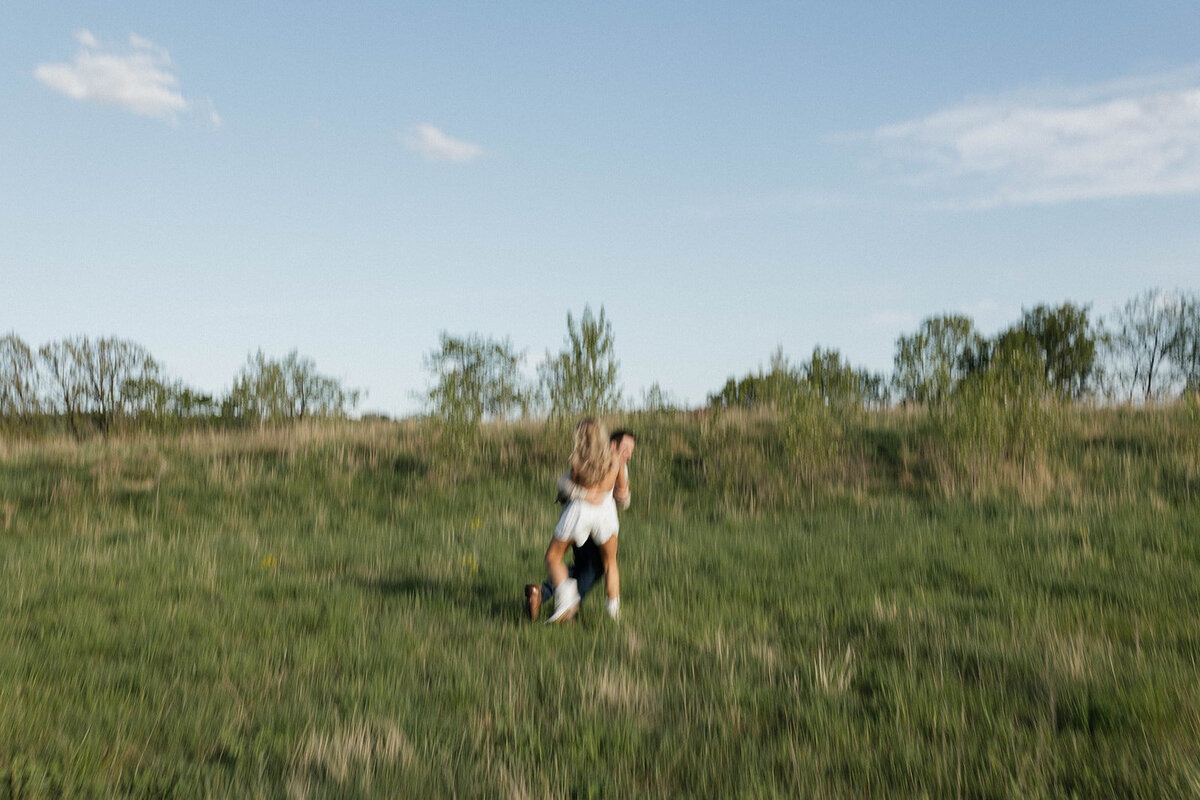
point(766, 654)
point(1080, 656)
point(833, 672)
point(622, 692)
point(361, 748)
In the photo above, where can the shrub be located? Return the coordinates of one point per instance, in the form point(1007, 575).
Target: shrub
point(1001, 416)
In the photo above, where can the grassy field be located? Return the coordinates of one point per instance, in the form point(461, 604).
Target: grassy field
point(335, 611)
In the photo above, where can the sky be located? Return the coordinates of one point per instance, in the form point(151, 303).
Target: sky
point(351, 180)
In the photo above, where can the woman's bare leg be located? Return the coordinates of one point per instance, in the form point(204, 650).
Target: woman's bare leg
point(566, 592)
point(554, 561)
point(612, 578)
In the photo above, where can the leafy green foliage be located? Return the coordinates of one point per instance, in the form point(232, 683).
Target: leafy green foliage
point(478, 379)
point(774, 388)
point(164, 404)
point(930, 362)
point(1005, 413)
point(658, 400)
point(825, 376)
point(1068, 346)
point(841, 386)
point(268, 390)
point(814, 401)
point(582, 378)
point(813, 436)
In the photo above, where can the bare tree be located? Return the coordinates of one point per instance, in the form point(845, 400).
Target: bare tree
point(311, 394)
point(68, 379)
point(20, 381)
point(1184, 348)
point(109, 364)
point(89, 378)
point(1138, 337)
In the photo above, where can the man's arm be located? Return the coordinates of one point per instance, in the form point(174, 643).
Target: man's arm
point(568, 489)
point(621, 491)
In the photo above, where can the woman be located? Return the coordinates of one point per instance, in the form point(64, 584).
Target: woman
point(596, 467)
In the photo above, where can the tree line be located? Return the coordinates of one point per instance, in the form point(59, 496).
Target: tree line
point(478, 379)
point(1146, 350)
point(100, 385)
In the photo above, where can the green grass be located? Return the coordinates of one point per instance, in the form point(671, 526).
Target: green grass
point(335, 612)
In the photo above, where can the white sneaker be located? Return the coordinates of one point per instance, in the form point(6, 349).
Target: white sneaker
point(566, 600)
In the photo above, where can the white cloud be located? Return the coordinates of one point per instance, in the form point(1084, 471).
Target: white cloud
point(139, 78)
point(1134, 137)
point(434, 145)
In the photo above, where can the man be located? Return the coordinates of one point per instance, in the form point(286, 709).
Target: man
point(588, 565)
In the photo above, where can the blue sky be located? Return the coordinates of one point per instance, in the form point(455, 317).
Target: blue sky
point(351, 180)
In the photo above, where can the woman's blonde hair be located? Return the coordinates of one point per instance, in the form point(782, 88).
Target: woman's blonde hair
point(591, 459)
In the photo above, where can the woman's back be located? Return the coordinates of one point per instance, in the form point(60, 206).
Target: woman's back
point(605, 483)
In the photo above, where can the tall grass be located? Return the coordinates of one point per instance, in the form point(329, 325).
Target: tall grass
point(334, 610)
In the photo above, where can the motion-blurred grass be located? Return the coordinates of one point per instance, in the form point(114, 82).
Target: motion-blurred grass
point(335, 611)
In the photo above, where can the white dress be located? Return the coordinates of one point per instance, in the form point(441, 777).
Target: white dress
point(581, 519)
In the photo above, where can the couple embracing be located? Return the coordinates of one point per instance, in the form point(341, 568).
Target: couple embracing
point(589, 492)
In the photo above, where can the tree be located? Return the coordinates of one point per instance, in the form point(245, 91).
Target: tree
point(477, 379)
point(778, 386)
point(20, 381)
point(1068, 345)
point(582, 378)
point(68, 381)
point(840, 385)
point(658, 400)
point(164, 402)
point(107, 365)
point(826, 376)
point(269, 390)
point(1138, 338)
point(876, 392)
point(185, 402)
point(999, 412)
point(87, 378)
point(1184, 347)
point(930, 362)
point(311, 394)
point(259, 391)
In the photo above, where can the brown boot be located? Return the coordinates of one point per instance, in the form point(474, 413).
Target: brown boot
point(533, 599)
